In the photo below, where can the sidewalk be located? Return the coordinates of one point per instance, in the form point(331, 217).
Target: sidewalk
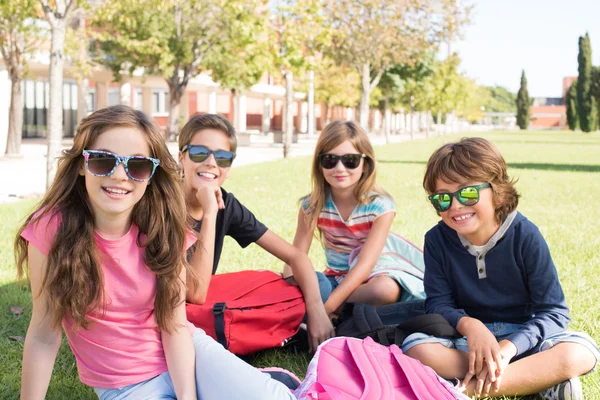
point(25, 176)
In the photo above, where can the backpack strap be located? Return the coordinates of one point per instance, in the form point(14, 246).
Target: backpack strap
point(377, 385)
point(219, 313)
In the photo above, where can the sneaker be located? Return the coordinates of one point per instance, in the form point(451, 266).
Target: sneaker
point(567, 390)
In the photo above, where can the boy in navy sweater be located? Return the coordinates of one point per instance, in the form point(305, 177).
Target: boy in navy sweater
point(490, 274)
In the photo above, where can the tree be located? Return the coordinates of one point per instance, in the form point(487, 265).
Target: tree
point(500, 100)
point(243, 56)
point(174, 38)
point(571, 102)
point(595, 88)
point(586, 107)
point(19, 35)
point(523, 104)
point(297, 35)
point(373, 35)
point(80, 62)
point(58, 14)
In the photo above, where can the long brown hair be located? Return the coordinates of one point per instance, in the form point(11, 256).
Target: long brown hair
point(475, 160)
point(73, 280)
point(334, 134)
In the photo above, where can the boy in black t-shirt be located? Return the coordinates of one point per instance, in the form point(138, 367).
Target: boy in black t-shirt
point(207, 146)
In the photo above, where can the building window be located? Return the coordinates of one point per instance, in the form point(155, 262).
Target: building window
point(114, 96)
point(160, 101)
point(91, 99)
point(139, 99)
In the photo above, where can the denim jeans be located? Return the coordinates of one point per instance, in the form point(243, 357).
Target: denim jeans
point(219, 375)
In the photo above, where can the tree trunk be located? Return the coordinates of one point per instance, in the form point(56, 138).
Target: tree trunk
point(82, 95)
point(387, 119)
point(236, 110)
point(175, 94)
point(288, 129)
point(15, 117)
point(55, 111)
point(311, 103)
point(365, 95)
point(326, 116)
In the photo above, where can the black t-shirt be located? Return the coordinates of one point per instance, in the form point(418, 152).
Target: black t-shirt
point(236, 221)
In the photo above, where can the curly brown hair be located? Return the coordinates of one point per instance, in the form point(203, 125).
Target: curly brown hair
point(473, 160)
point(73, 280)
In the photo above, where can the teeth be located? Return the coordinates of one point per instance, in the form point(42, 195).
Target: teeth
point(116, 191)
point(207, 175)
point(463, 217)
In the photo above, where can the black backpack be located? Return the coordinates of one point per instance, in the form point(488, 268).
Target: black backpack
point(392, 323)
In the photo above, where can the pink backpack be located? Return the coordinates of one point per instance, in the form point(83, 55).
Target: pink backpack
point(352, 369)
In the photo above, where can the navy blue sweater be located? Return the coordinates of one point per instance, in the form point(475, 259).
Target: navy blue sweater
point(521, 285)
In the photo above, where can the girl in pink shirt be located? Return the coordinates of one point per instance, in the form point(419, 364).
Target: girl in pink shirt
point(105, 253)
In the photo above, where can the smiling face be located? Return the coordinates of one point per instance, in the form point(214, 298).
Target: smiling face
point(339, 177)
point(478, 222)
point(114, 196)
point(207, 172)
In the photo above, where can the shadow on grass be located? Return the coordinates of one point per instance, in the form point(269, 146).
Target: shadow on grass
point(539, 166)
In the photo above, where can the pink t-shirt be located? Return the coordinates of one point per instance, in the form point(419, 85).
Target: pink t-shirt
point(122, 346)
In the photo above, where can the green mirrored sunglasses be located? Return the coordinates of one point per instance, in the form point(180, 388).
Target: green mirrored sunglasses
point(468, 196)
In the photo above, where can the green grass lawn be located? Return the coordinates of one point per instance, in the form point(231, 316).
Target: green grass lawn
point(558, 177)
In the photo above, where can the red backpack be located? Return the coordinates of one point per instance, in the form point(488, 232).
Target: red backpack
point(249, 311)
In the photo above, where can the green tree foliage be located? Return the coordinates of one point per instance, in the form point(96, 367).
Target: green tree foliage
point(174, 38)
point(19, 36)
point(571, 102)
point(586, 104)
point(500, 100)
point(595, 88)
point(373, 35)
point(523, 103)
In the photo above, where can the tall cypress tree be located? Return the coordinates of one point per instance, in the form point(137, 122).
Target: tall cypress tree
point(523, 104)
point(586, 104)
point(571, 102)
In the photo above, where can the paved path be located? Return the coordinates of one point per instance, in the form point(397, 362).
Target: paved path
point(26, 176)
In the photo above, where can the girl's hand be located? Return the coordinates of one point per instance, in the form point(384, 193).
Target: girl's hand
point(210, 199)
point(319, 328)
point(484, 350)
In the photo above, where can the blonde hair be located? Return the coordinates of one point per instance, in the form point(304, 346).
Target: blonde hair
point(477, 160)
point(334, 134)
point(74, 280)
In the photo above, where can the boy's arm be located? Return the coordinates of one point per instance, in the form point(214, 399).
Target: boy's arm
point(180, 352)
point(318, 323)
point(551, 314)
point(43, 340)
point(203, 257)
point(367, 259)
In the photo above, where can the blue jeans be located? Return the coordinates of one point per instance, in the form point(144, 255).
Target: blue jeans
point(219, 375)
point(326, 285)
point(502, 330)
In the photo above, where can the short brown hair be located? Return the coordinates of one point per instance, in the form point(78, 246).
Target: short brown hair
point(200, 122)
point(478, 160)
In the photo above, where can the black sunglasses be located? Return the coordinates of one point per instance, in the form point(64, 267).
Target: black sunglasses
point(468, 196)
point(350, 161)
point(199, 153)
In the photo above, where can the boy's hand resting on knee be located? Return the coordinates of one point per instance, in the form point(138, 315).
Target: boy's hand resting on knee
point(484, 349)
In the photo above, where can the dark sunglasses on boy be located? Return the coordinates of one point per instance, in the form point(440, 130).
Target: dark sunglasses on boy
point(199, 154)
point(104, 163)
point(467, 196)
point(350, 161)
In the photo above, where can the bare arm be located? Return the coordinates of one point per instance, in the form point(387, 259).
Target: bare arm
point(180, 353)
point(367, 259)
point(202, 260)
point(43, 340)
point(302, 240)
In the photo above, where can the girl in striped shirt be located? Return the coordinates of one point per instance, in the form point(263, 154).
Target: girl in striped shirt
point(365, 262)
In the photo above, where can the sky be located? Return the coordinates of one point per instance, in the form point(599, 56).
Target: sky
point(539, 36)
